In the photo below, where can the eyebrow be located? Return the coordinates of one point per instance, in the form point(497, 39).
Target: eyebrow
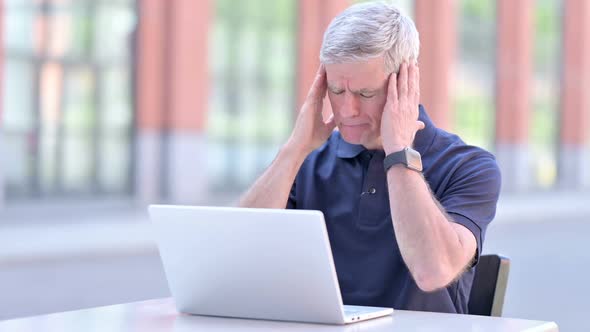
point(334, 88)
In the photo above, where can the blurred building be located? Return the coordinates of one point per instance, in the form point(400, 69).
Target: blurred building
point(185, 101)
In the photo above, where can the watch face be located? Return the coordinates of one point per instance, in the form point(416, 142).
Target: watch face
point(414, 159)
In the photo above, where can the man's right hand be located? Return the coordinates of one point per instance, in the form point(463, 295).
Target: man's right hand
point(271, 190)
point(310, 130)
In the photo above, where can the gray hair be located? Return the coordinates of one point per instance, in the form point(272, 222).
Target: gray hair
point(368, 30)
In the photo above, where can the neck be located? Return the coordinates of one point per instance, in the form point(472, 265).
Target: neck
point(374, 145)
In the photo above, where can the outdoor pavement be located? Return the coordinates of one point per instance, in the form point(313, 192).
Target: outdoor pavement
point(103, 253)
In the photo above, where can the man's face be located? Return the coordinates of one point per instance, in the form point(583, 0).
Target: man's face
point(358, 92)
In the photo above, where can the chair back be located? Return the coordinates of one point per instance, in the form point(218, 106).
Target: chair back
point(489, 286)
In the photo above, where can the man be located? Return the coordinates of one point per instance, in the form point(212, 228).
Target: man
point(402, 235)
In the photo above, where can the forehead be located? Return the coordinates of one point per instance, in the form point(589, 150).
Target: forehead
point(370, 73)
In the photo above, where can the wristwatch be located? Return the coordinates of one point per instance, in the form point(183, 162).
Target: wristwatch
point(408, 156)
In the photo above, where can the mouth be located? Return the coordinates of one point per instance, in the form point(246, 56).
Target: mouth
point(354, 125)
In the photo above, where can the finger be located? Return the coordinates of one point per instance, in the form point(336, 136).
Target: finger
point(331, 123)
point(411, 78)
point(412, 82)
point(421, 125)
point(392, 88)
point(322, 110)
point(417, 83)
point(318, 87)
point(402, 82)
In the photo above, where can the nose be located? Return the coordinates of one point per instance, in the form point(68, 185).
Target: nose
point(350, 107)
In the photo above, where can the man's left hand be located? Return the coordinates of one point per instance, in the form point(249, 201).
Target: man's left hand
point(399, 122)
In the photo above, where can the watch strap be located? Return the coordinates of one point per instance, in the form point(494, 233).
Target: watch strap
point(394, 159)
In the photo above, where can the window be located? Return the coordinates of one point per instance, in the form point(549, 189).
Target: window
point(68, 113)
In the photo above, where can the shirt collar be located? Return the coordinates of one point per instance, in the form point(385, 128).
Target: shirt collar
point(422, 141)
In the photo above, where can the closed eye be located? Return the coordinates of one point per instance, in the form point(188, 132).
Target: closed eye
point(367, 95)
point(336, 92)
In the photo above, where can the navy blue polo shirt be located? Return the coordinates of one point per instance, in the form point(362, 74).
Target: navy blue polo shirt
point(348, 184)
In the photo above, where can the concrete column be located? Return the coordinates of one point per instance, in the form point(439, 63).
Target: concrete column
point(188, 93)
point(513, 92)
point(313, 19)
point(574, 155)
point(437, 24)
point(3, 158)
point(173, 94)
point(150, 97)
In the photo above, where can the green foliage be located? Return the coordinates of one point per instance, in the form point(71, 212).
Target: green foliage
point(546, 14)
point(547, 23)
point(544, 123)
point(474, 120)
point(83, 32)
point(476, 24)
point(480, 9)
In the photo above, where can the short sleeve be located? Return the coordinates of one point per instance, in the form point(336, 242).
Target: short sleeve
point(472, 195)
point(292, 201)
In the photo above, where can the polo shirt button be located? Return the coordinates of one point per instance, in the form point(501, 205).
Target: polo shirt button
point(372, 191)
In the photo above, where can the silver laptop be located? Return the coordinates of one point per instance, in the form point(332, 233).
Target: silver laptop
point(252, 263)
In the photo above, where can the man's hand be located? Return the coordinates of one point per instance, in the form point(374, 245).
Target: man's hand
point(399, 122)
point(310, 130)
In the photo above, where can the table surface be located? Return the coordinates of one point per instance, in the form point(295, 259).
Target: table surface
point(160, 315)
